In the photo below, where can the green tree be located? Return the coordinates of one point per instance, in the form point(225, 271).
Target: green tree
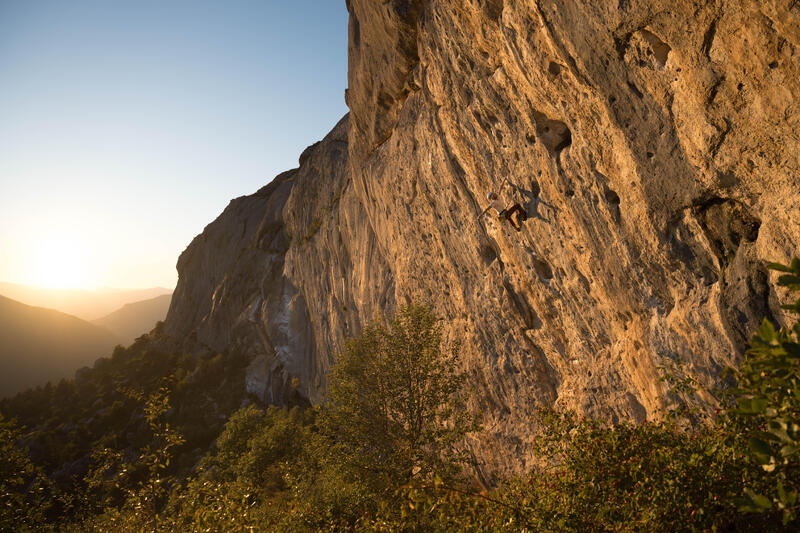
point(768, 399)
point(394, 401)
point(256, 443)
point(142, 482)
point(21, 484)
point(241, 484)
point(393, 415)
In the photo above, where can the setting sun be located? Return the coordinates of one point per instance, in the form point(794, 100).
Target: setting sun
point(60, 262)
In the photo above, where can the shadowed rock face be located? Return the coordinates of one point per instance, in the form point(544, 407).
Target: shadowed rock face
point(284, 275)
point(654, 149)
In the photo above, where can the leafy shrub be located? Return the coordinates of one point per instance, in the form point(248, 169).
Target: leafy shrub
point(21, 484)
point(141, 482)
point(768, 399)
point(256, 443)
point(65, 424)
point(241, 483)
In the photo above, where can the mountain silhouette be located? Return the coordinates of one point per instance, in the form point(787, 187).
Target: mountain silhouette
point(39, 345)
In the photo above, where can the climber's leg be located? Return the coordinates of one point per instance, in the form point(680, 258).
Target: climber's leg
point(508, 215)
point(516, 208)
point(521, 215)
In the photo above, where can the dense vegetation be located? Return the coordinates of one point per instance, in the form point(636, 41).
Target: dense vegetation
point(99, 426)
point(138, 444)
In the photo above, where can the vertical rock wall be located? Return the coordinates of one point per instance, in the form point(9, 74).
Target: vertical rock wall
point(654, 146)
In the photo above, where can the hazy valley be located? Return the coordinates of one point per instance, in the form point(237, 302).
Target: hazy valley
point(85, 304)
point(39, 344)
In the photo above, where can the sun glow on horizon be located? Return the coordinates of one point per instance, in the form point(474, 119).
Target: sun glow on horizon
point(61, 261)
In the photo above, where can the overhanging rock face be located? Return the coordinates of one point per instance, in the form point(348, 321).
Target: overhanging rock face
point(653, 145)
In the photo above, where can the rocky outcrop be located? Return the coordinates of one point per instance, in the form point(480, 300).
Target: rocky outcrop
point(654, 147)
point(284, 275)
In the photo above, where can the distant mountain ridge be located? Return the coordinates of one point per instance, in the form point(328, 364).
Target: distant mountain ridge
point(39, 345)
point(137, 318)
point(86, 304)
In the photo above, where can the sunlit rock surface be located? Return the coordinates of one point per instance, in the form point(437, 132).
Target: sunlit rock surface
point(654, 145)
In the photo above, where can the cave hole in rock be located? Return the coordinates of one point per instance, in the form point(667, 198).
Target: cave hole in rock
point(613, 200)
point(731, 229)
point(611, 196)
point(726, 224)
point(555, 135)
point(659, 48)
point(554, 68)
point(493, 8)
point(488, 254)
point(542, 268)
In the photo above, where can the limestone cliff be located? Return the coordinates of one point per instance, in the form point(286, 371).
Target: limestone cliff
point(653, 144)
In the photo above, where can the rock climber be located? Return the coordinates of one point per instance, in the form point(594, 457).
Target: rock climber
point(507, 214)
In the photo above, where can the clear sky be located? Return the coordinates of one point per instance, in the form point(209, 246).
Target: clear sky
point(126, 126)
